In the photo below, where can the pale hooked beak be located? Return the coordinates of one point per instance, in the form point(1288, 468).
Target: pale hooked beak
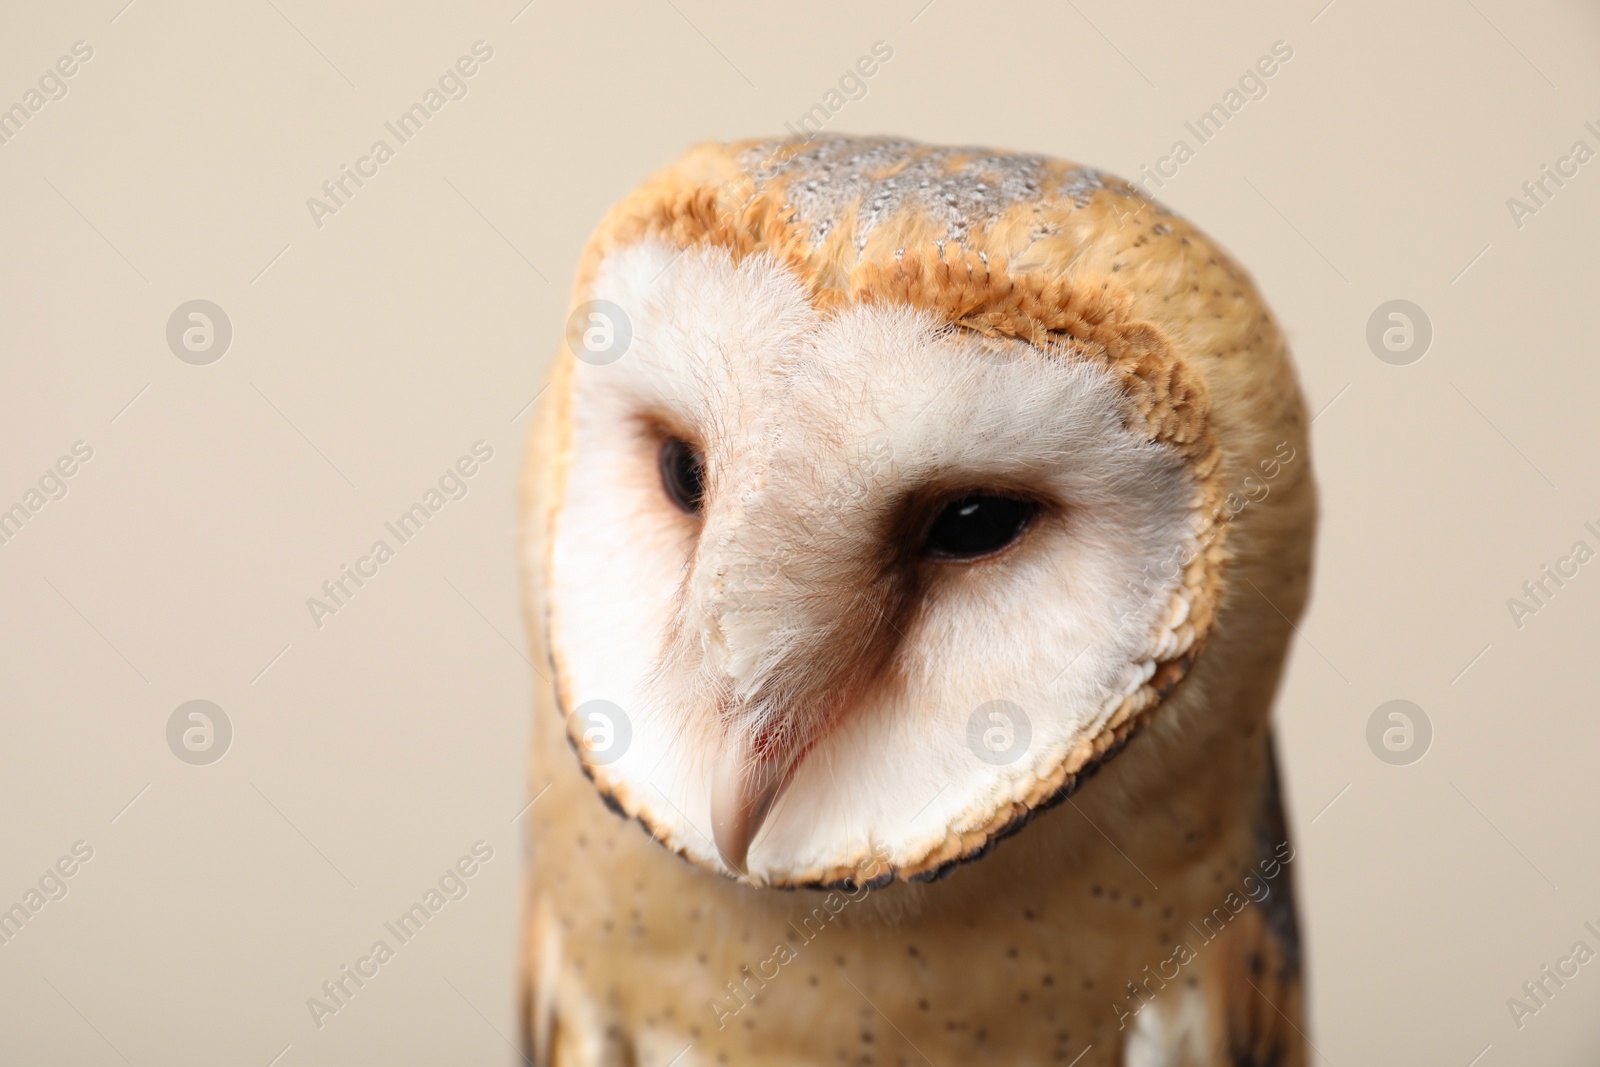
point(784, 651)
point(744, 788)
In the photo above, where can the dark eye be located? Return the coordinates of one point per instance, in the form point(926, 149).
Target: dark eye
point(978, 525)
point(683, 473)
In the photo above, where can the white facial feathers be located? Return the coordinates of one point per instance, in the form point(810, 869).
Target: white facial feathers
point(789, 640)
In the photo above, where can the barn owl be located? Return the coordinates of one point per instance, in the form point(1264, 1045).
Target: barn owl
point(881, 495)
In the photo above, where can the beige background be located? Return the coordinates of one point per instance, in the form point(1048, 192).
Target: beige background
point(371, 352)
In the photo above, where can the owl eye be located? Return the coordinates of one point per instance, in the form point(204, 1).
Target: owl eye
point(978, 525)
point(683, 472)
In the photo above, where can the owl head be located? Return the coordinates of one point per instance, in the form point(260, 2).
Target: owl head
point(884, 491)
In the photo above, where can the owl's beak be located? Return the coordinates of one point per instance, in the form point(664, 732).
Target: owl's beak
point(791, 622)
point(819, 682)
point(743, 790)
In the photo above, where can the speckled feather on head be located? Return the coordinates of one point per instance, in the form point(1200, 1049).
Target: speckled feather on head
point(1003, 250)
